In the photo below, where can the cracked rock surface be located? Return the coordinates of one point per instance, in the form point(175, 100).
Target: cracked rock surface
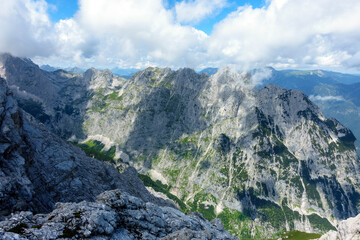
point(114, 215)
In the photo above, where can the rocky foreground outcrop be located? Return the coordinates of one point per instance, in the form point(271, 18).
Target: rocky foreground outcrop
point(348, 229)
point(114, 215)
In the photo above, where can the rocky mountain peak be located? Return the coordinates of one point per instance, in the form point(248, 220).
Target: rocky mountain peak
point(16, 64)
point(225, 75)
point(150, 75)
point(187, 73)
point(8, 59)
point(287, 104)
point(27, 78)
point(90, 72)
point(100, 79)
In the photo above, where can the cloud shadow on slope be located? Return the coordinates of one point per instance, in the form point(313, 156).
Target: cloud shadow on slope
point(168, 112)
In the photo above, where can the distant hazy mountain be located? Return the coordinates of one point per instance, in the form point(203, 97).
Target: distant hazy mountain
point(336, 94)
point(124, 72)
point(75, 70)
point(48, 68)
point(210, 71)
point(308, 80)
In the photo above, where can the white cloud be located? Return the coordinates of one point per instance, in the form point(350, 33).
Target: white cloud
point(127, 33)
point(326, 98)
point(296, 33)
point(193, 11)
point(24, 28)
point(260, 75)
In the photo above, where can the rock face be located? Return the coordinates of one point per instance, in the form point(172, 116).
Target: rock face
point(114, 215)
point(263, 161)
point(348, 229)
point(335, 93)
point(229, 150)
point(38, 169)
point(56, 99)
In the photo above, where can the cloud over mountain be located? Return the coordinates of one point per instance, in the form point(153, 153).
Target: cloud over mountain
point(122, 33)
point(24, 25)
point(295, 33)
point(326, 98)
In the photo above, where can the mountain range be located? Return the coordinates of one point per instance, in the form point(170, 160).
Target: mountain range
point(264, 160)
point(122, 72)
point(335, 93)
point(49, 189)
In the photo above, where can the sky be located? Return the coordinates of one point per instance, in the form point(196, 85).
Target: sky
point(245, 34)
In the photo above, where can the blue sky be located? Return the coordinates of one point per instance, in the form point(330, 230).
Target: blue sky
point(207, 24)
point(245, 34)
point(65, 9)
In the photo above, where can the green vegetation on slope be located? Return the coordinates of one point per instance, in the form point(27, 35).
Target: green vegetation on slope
point(94, 148)
point(320, 223)
point(163, 188)
point(207, 210)
point(101, 102)
point(237, 223)
point(113, 96)
point(297, 235)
